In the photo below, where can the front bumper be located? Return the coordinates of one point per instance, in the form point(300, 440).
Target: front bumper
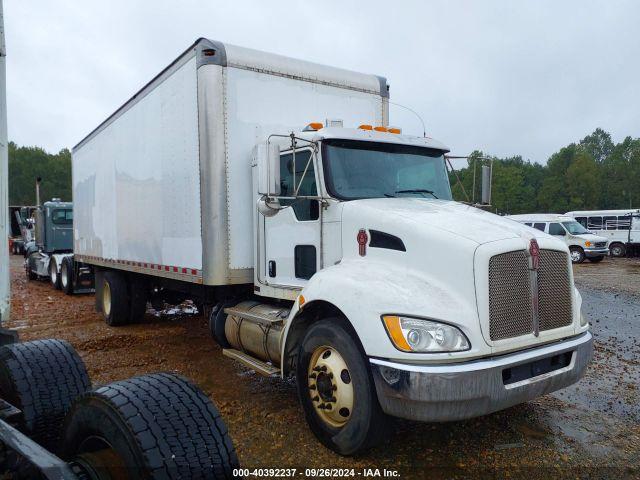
point(439, 393)
point(596, 252)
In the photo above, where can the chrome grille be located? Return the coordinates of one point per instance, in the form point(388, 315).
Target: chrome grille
point(600, 244)
point(554, 290)
point(510, 293)
point(510, 305)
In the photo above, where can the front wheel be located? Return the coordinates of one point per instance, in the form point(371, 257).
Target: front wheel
point(336, 390)
point(577, 255)
point(617, 250)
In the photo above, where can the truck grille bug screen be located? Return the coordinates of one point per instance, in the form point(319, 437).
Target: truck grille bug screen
point(511, 294)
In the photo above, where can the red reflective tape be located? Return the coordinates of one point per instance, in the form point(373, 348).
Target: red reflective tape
point(175, 269)
point(194, 271)
point(184, 270)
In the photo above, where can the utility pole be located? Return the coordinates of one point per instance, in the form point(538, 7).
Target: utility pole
point(4, 181)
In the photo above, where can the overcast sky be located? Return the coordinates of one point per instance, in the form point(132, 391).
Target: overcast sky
point(507, 77)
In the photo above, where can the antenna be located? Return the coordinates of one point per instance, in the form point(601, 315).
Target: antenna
point(424, 129)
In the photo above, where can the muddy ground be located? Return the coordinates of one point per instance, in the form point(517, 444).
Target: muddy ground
point(591, 429)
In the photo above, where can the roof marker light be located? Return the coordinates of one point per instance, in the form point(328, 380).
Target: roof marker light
point(395, 130)
point(380, 129)
point(365, 127)
point(313, 126)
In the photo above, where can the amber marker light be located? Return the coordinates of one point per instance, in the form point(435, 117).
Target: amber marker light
point(365, 127)
point(301, 301)
point(392, 324)
point(397, 131)
point(381, 129)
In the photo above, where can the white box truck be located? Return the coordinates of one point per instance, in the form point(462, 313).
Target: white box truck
point(327, 243)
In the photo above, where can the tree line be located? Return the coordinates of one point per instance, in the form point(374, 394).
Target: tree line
point(28, 163)
point(594, 173)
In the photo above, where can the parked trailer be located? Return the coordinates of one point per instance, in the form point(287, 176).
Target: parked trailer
point(326, 243)
point(620, 227)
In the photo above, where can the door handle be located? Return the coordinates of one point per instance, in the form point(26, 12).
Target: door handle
point(272, 268)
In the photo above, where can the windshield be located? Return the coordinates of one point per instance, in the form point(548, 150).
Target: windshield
point(574, 228)
point(355, 169)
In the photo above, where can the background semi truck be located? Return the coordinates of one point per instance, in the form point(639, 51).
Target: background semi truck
point(325, 243)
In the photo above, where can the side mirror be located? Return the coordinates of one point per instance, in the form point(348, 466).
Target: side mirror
point(268, 165)
point(486, 185)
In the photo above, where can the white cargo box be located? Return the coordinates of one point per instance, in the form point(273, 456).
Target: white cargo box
point(163, 186)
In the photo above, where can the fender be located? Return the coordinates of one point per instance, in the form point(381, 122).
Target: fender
point(363, 290)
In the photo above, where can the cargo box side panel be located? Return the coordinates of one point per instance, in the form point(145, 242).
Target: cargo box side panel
point(137, 185)
point(259, 104)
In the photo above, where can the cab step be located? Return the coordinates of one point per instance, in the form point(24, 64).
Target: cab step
point(253, 363)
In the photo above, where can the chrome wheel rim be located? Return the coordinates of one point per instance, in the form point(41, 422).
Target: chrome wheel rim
point(64, 276)
point(54, 274)
point(106, 299)
point(575, 256)
point(330, 386)
point(616, 251)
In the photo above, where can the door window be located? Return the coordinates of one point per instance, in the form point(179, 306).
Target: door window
point(556, 229)
point(595, 223)
point(540, 226)
point(305, 181)
point(610, 223)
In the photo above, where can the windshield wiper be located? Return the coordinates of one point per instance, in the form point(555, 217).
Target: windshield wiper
point(388, 195)
point(417, 190)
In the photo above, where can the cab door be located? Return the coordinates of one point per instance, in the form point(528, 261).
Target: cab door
point(292, 236)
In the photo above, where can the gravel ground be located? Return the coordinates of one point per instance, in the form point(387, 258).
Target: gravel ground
point(590, 429)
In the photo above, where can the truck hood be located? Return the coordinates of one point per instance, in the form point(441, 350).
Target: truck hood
point(447, 216)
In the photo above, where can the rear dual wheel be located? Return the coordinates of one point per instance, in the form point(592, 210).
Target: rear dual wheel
point(123, 299)
point(54, 274)
point(66, 275)
point(336, 389)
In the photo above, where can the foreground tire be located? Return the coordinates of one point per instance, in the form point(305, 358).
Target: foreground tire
point(115, 299)
point(152, 426)
point(54, 275)
point(336, 390)
point(596, 259)
point(66, 275)
point(577, 254)
point(617, 250)
point(42, 378)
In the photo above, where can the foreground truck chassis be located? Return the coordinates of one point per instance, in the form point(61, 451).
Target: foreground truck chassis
point(105, 432)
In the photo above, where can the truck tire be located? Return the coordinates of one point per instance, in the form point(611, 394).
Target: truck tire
point(54, 275)
point(139, 295)
point(155, 426)
point(577, 254)
point(217, 319)
point(331, 371)
point(617, 250)
point(66, 275)
point(115, 299)
point(31, 275)
point(42, 378)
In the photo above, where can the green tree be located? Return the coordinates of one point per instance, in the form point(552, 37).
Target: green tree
point(28, 163)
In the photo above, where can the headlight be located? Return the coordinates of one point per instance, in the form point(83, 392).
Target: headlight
point(587, 243)
point(417, 335)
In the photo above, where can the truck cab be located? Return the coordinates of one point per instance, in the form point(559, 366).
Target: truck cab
point(404, 302)
point(52, 241)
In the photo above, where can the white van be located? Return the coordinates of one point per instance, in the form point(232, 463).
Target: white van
point(620, 227)
point(581, 242)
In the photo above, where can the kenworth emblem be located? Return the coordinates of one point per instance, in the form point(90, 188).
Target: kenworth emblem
point(534, 254)
point(534, 263)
